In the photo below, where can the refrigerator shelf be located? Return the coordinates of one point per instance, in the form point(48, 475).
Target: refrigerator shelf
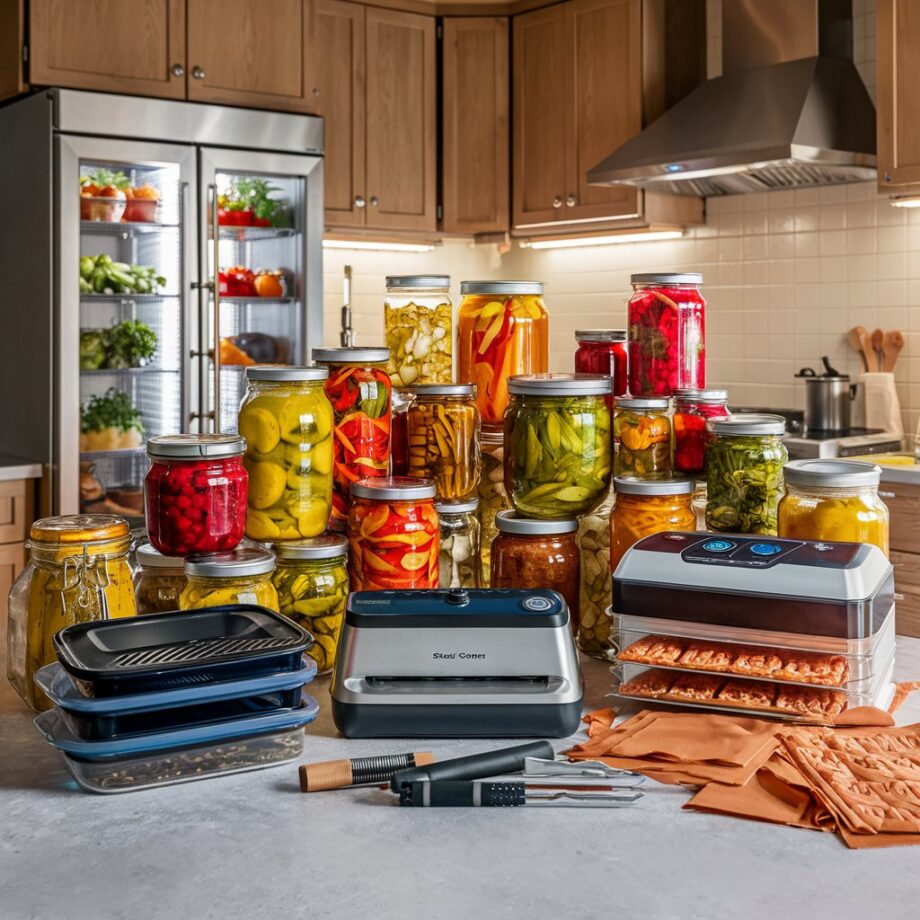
point(124, 228)
point(255, 299)
point(252, 234)
point(148, 369)
point(127, 298)
point(107, 454)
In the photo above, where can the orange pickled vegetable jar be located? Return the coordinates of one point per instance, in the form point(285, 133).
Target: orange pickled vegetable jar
point(394, 534)
point(503, 332)
point(645, 507)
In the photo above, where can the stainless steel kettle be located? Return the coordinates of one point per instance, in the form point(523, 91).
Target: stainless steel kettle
point(828, 398)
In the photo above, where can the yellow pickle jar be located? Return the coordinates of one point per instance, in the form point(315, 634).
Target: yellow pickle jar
point(492, 495)
point(833, 500)
point(311, 578)
point(287, 421)
point(642, 438)
point(459, 562)
point(419, 328)
point(243, 576)
point(158, 580)
point(78, 571)
point(443, 437)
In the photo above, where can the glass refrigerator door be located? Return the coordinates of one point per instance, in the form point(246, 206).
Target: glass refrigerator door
point(123, 290)
point(262, 223)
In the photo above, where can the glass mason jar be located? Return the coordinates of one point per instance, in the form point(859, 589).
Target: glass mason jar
point(399, 432)
point(503, 331)
point(243, 576)
point(419, 328)
point(393, 534)
point(158, 580)
point(459, 565)
point(195, 493)
point(692, 409)
point(642, 438)
point(528, 553)
point(492, 495)
point(834, 500)
point(667, 334)
point(311, 578)
point(443, 432)
point(744, 473)
point(595, 592)
point(603, 351)
point(557, 438)
point(287, 421)
point(78, 571)
point(358, 387)
point(646, 507)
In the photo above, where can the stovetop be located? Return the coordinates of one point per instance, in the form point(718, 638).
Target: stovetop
point(795, 425)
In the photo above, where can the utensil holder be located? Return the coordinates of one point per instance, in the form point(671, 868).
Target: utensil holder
point(882, 406)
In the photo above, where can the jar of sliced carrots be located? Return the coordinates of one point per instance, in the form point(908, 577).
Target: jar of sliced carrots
point(503, 332)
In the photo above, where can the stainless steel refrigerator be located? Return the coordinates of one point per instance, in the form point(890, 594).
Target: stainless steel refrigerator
point(233, 187)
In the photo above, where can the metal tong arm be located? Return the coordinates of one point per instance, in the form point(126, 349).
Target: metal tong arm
point(584, 799)
point(538, 766)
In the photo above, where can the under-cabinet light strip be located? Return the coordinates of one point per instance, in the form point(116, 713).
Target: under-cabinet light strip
point(641, 237)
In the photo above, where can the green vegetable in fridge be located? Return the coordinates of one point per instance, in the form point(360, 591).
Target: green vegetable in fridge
point(102, 275)
point(92, 349)
point(112, 410)
point(130, 344)
point(744, 483)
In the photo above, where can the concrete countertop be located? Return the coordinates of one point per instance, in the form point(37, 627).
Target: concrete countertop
point(252, 847)
point(15, 468)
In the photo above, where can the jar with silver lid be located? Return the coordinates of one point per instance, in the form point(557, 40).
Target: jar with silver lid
point(419, 329)
point(642, 437)
point(459, 561)
point(243, 576)
point(158, 580)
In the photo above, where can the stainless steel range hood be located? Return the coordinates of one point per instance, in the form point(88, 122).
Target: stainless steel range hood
point(790, 110)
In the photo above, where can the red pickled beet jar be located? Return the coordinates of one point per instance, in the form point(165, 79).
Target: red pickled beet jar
point(667, 334)
point(691, 410)
point(603, 351)
point(195, 493)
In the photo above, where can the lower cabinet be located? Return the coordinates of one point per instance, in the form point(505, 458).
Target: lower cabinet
point(17, 509)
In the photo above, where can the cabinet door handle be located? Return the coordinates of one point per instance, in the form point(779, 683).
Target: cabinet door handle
point(359, 201)
point(197, 73)
point(571, 201)
point(374, 201)
point(177, 70)
point(557, 201)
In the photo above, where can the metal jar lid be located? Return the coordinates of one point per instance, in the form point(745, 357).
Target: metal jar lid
point(459, 507)
point(239, 563)
point(151, 558)
point(747, 424)
point(560, 385)
point(642, 403)
point(510, 522)
point(832, 473)
point(626, 485)
point(356, 356)
point(280, 373)
point(417, 282)
point(195, 446)
point(421, 390)
point(328, 546)
point(600, 335)
point(394, 488)
point(68, 529)
point(501, 287)
point(667, 278)
point(691, 394)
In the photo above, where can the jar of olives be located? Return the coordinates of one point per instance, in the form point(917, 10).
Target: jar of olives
point(459, 561)
point(557, 443)
point(241, 577)
point(311, 579)
point(744, 473)
point(287, 421)
point(419, 327)
point(492, 495)
point(642, 438)
point(158, 581)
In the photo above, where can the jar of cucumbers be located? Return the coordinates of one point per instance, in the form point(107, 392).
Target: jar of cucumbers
point(419, 327)
point(557, 443)
point(459, 564)
point(744, 473)
point(243, 576)
point(311, 579)
point(595, 594)
point(492, 495)
point(287, 422)
point(642, 438)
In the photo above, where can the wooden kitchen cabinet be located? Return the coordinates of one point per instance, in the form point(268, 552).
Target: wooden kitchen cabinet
point(119, 46)
point(17, 511)
point(475, 130)
point(903, 501)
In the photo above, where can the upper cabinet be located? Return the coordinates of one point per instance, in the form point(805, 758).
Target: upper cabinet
point(897, 36)
point(129, 46)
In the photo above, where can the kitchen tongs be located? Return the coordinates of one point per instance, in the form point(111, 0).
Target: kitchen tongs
point(586, 769)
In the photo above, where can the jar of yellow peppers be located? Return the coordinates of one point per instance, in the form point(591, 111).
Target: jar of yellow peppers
point(78, 571)
point(642, 438)
point(242, 576)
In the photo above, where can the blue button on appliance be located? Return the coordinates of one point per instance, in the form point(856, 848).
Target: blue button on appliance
point(536, 603)
point(718, 546)
point(766, 549)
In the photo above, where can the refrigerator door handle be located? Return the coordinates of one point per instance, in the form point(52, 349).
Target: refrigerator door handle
point(214, 287)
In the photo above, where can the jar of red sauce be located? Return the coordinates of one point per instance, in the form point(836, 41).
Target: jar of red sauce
point(691, 409)
point(195, 493)
point(667, 334)
point(603, 351)
point(393, 534)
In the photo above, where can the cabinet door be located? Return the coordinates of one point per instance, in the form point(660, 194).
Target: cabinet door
point(121, 46)
point(541, 102)
point(247, 52)
point(604, 44)
point(475, 130)
point(335, 77)
point(897, 25)
point(401, 113)
point(12, 562)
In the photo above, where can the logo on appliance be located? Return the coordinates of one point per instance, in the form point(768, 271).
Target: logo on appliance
point(462, 656)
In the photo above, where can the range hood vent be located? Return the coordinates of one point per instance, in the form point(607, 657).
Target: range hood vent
point(789, 111)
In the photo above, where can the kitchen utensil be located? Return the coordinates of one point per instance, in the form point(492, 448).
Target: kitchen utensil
point(456, 663)
point(827, 399)
point(893, 343)
point(362, 771)
point(877, 340)
point(856, 344)
point(484, 793)
point(538, 766)
point(864, 346)
point(475, 766)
